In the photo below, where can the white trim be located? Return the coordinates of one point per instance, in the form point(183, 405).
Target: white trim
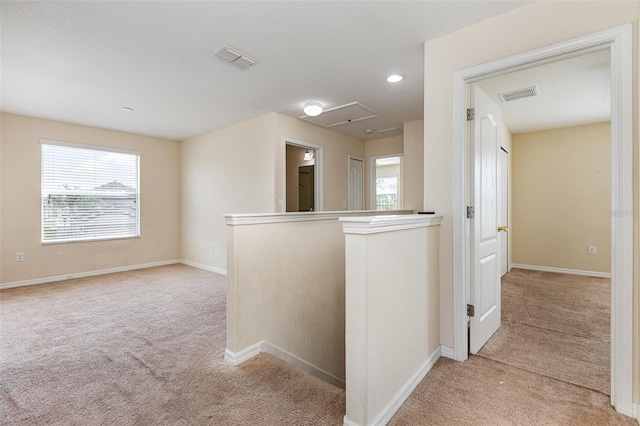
point(303, 365)
point(446, 352)
point(561, 270)
point(237, 358)
point(636, 412)
point(75, 275)
point(617, 39)
point(246, 354)
point(364, 173)
point(204, 267)
point(91, 147)
point(375, 224)
point(390, 409)
point(347, 422)
point(259, 218)
point(318, 162)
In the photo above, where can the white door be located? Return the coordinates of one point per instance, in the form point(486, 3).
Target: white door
point(356, 183)
point(503, 202)
point(485, 245)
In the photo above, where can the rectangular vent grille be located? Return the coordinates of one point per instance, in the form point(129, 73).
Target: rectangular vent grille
point(236, 58)
point(389, 131)
point(527, 92)
point(343, 114)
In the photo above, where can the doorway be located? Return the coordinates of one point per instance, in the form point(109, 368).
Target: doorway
point(356, 183)
point(618, 41)
point(303, 176)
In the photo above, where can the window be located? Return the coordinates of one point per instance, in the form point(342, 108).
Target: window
point(388, 183)
point(89, 193)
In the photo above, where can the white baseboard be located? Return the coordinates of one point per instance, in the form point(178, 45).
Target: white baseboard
point(636, 412)
point(237, 358)
point(390, 409)
point(562, 270)
point(447, 352)
point(347, 422)
point(204, 267)
point(303, 365)
point(75, 275)
point(266, 347)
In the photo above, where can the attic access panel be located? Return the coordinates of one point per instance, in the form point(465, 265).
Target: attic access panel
point(343, 114)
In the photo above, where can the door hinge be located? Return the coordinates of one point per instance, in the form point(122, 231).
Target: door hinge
point(470, 212)
point(471, 310)
point(471, 114)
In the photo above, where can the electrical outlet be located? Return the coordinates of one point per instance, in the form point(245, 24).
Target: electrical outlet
point(592, 249)
point(20, 256)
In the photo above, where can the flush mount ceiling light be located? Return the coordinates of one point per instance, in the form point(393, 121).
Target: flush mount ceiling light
point(127, 109)
point(313, 109)
point(394, 78)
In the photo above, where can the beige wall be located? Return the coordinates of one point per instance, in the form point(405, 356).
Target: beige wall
point(225, 171)
point(562, 197)
point(413, 148)
point(242, 169)
point(20, 226)
point(286, 287)
point(295, 159)
point(336, 147)
point(392, 316)
point(502, 36)
point(378, 148)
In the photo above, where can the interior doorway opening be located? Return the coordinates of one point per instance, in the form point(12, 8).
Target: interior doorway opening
point(303, 176)
point(618, 42)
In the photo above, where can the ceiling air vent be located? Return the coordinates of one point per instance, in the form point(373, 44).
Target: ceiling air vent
point(343, 114)
point(519, 94)
point(235, 57)
point(390, 131)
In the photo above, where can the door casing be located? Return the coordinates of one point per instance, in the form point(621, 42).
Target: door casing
point(619, 41)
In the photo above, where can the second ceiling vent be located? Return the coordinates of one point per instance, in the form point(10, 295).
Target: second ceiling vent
point(527, 92)
point(235, 57)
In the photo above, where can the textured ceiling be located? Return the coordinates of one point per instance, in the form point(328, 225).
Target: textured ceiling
point(80, 62)
point(572, 92)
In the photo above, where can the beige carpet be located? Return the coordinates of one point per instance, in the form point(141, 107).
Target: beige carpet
point(146, 347)
point(142, 348)
point(556, 325)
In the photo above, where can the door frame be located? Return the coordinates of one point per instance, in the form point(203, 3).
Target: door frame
point(364, 173)
point(372, 179)
point(619, 41)
point(318, 174)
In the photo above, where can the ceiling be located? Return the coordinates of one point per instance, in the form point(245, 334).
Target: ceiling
point(572, 92)
point(80, 62)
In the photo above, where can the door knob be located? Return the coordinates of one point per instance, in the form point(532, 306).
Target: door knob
point(503, 228)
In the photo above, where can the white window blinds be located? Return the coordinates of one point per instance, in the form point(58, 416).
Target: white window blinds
point(89, 193)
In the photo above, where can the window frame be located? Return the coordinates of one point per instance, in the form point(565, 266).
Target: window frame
point(43, 193)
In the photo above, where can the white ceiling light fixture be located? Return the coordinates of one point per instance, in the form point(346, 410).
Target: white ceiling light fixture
point(394, 78)
point(313, 109)
point(307, 156)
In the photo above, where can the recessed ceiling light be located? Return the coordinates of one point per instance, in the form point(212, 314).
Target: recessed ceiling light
point(394, 78)
point(313, 109)
point(127, 109)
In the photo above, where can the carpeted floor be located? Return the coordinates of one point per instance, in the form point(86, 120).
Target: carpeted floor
point(146, 347)
point(556, 325)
